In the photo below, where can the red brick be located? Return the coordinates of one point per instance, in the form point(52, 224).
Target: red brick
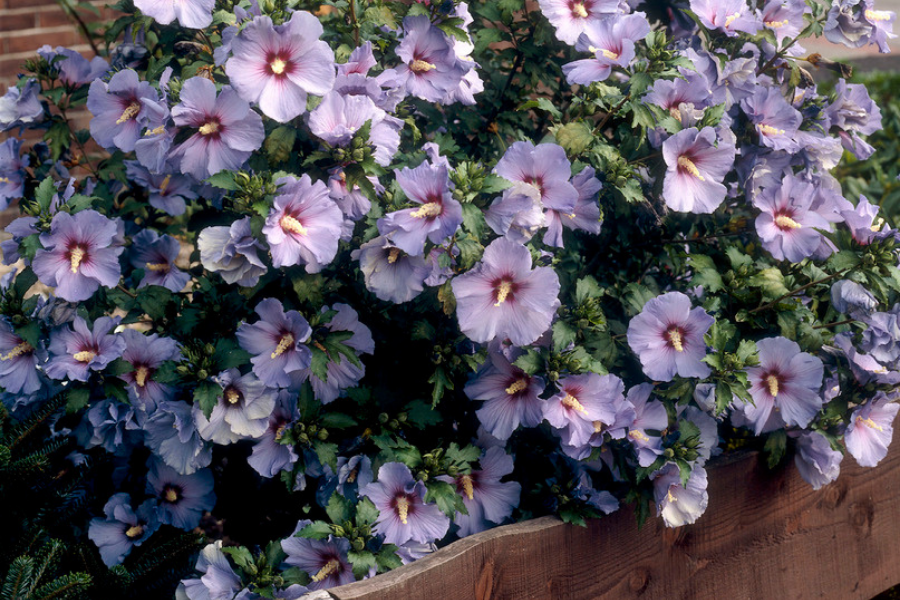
point(31, 40)
point(18, 21)
point(28, 3)
point(54, 18)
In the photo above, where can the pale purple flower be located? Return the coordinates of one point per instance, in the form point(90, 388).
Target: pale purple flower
point(545, 168)
point(668, 337)
point(119, 109)
point(242, 411)
point(863, 221)
point(277, 66)
point(232, 252)
point(269, 456)
point(488, 501)
point(430, 67)
point(219, 581)
point(882, 22)
point(786, 381)
point(848, 296)
point(511, 396)
point(228, 132)
point(696, 168)
point(571, 17)
point(727, 16)
point(586, 214)
point(650, 419)
point(21, 106)
point(784, 18)
point(304, 226)
point(680, 505)
point(74, 69)
point(170, 432)
point(12, 171)
point(436, 217)
point(353, 203)
point(165, 191)
point(403, 513)
point(123, 528)
point(74, 353)
point(338, 117)
point(195, 14)
point(611, 40)
point(112, 426)
point(18, 362)
point(325, 561)
point(156, 256)
point(182, 498)
point(870, 430)
point(693, 91)
point(503, 297)
point(818, 463)
point(584, 404)
point(276, 343)
point(146, 353)
point(353, 474)
point(773, 118)
point(786, 223)
point(80, 253)
point(853, 113)
point(855, 23)
point(390, 273)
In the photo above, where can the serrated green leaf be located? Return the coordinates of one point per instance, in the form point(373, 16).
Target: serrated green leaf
point(421, 414)
point(563, 336)
point(206, 396)
point(339, 509)
point(317, 530)
point(775, 446)
point(531, 362)
point(705, 273)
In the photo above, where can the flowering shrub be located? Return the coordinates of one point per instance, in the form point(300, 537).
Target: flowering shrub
point(336, 283)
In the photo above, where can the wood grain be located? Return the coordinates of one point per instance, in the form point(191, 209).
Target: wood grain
point(765, 535)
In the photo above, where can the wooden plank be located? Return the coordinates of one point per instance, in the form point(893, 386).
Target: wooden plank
point(765, 535)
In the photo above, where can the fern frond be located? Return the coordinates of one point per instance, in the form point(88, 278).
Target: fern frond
point(19, 579)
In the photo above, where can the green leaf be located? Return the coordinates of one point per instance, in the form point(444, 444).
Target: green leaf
point(444, 495)
point(771, 282)
point(587, 288)
point(280, 144)
point(574, 137)
point(76, 399)
point(366, 513)
point(543, 104)
point(241, 557)
point(421, 414)
point(494, 184)
point(327, 453)
point(531, 362)
point(776, 444)
point(738, 259)
point(338, 509)
point(362, 562)
point(335, 420)
point(724, 397)
point(44, 193)
point(635, 296)
point(154, 300)
point(380, 15)
point(229, 355)
point(387, 558)
point(441, 382)
point(319, 363)
point(317, 530)
point(30, 332)
point(563, 335)
point(223, 180)
point(24, 280)
point(206, 396)
point(705, 273)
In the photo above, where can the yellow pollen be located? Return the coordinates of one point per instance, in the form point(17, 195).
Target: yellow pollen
point(19, 350)
point(76, 257)
point(279, 433)
point(785, 222)
point(156, 131)
point(880, 370)
point(468, 486)
point(571, 215)
point(286, 341)
point(730, 19)
point(232, 396)
point(579, 10)
point(598, 426)
point(402, 509)
point(330, 567)
point(688, 165)
point(171, 495)
point(129, 113)
point(675, 337)
point(393, 255)
point(134, 531)
point(517, 386)
point(776, 24)
point(570, 401)
point(140, 375)
point(158, 267)
point(769, 130)
point(4, 179)
point(429, 209)
point(670, 497)
point(869, 423)
point(209, 128)
point(877, 225)
point(878, 15)
point(637, 434)
point(165, 184)
point(278, 66)
point(772, 382)
point(503, 291)
point(84, 356)
point(289, 223)
point(420, 66)
point(610, 55)
point(351, 477)
point(675, 113)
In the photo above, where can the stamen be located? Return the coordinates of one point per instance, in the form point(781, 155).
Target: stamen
point(134, 531)
point(351, 477)
point(669, 496)
point(428, 210)
point(129, 113)
point(610, 55)
point(772, 382)
point(785, 222)
point(84, 356)
point(402, 509)
point(579, 10)
point(4, 180)
point(878, 15)
point(232, 396)
point(209, 128)
point(141, 375)
point(776, 24)
point(289, 223)
point(503, 291)
point(279, 433)
point(393, 255)
point(730, 19)
point(171, 495)
point(286, 341)
point(277, 66)
point(674, 335)
point(156, 131)
point(517, 386)
point(598, 426)
point(158, 267)
point(688, 165)
point(769, 130)
point(420, 66)
point(19, 350)
point(468, 486)
point(638, 435)
point(165, 184)
point(877, 225)
point(330, 567)
point(869, 423)
point(570, 401)
point(76, 257)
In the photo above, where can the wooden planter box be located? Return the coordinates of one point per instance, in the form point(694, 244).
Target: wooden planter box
point(766, 534)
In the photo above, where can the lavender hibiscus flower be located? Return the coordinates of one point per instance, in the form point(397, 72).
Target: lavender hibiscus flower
point(853, 113)
point(71, 67)
point(276, 342)
point(400, 500)
point(390, 273)
point(696, 167)
point(123, 528)
point(18, 362)
point(571, 17)
point(430, 68)
point(584, 404)
point(196, 14)
point(612, 41)
point(678, 504)
point(728, 16)
point(120, 109)
point(338, 117)
point(586, 214)
point(80, 254)
point(775, 120)
point(20, 106)
point(818, 463)
point(171, 434)
point(12, 171)
point(182, 498)
point(786, 223)
point(228, 132)
point(165, 191)
point(304, 226)
point(787, 381)
point(650, 418)
point(145, 354)
point(325, 561)
point(74, 353)
point(668, 337)
point(242, 411)
point(503, 297)
point(232, 252)
point(156, 256)
point(870, 430)
point(270, 457)
point(277, 66)
point(218, 582)
point(436, 217)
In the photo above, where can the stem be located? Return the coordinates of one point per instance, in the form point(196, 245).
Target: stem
point(82, 26)
point(124, 290)
point(800, 289)
point(520, 56)
point(84, 154)
point(354, 21)
point(613, 111)
point(705, 238)
point(847, 322)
